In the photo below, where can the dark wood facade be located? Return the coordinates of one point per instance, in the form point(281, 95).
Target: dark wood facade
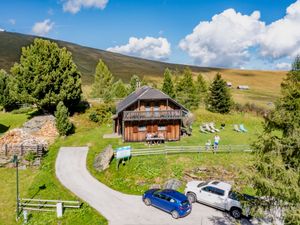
point(148, 111)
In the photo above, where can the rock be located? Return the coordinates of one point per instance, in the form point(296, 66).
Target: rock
point(103, 159)
point(172, 184)
point(155, 186)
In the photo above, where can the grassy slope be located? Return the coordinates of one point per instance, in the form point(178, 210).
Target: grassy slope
point(264, 84)
point(137, 175)
point(31, 179)
point(10, 121)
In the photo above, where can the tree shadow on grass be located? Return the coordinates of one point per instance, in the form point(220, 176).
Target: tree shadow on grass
point(3, 128)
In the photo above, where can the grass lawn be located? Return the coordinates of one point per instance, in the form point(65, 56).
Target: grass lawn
point(10, 121)
point(8, 191)
point(138, 174)
point(30, 181)
point(141, 172)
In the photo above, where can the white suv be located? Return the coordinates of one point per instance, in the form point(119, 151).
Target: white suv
point(216, 194)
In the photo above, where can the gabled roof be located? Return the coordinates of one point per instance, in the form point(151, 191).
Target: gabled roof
point(144, 93)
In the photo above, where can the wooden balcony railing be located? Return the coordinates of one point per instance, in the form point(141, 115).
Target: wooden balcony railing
point(152, 115)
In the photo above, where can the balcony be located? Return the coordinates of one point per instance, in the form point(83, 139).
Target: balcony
point(152, 115)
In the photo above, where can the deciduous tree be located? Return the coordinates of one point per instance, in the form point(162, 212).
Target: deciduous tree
point(186, 91)
point(103, 81)
point(168, 86)
point(119, 89)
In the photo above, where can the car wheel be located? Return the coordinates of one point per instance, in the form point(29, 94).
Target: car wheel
point(147, 201)
point(191, 197)
point(175, 214)
point(236, 213)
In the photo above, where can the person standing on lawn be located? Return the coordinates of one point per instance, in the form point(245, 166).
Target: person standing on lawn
point(216, 142)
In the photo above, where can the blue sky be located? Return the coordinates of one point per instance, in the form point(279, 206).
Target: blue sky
point(254, 34)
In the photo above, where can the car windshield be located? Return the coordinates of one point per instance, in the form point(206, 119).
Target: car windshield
point(203, 184)
point(185, 203)
point(233, 195)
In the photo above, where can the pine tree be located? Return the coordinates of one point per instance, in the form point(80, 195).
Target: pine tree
point(277, 150)
point(119, 89)
point(134, 83)
point(168, 86)
point(219, 97)
point(7, 100)
point(201, 88)
point(103, 81)
point(63, 124)
point(47, 75)
point(186, 91)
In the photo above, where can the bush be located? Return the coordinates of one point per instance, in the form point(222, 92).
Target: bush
point(250, 107)
point(63, 124)
point(102, 113)
point(30, 156)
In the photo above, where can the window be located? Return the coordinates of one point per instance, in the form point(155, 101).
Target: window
point(208, 189)
point(135, 129)
point(215, 182)
point(142, 128)
point(184, 203)
point(161, 127)
point(202, 184)
point(214, 190)
point(219, 192)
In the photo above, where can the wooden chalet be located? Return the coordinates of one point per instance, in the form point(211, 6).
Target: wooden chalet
point(149, 111)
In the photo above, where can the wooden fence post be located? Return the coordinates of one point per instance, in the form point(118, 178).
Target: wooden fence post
point(5, 149)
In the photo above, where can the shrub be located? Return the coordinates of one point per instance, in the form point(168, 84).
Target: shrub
point(251, 108)
point(102, 113)
point(63, 124)
point(30, 156)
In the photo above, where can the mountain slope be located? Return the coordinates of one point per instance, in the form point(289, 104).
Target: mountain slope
point(265, 85)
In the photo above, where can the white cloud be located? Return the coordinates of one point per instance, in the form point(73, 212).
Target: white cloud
point(12, 21)
point(1, 30)
point(225, 40)
point(148, 47)
point(282, 37)
point(42, 28)
point(283, 66)
point(74, 6)
point(230, 39)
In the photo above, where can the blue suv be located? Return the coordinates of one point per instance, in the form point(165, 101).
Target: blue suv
point(168, 200)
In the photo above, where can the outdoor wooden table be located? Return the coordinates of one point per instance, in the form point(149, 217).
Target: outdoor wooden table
point(155, 140)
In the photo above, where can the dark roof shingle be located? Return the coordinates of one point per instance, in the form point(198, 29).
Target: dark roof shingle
point(144, 93)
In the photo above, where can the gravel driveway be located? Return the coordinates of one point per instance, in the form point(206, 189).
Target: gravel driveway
point(118, 208)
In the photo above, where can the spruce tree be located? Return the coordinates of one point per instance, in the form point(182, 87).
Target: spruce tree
point(219, 98)
point(277, 151)
point(63, 124)
point(168, 86)
point(46, 75)
point(103, 81)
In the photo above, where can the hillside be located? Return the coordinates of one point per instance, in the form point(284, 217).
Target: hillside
point(265, 85)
